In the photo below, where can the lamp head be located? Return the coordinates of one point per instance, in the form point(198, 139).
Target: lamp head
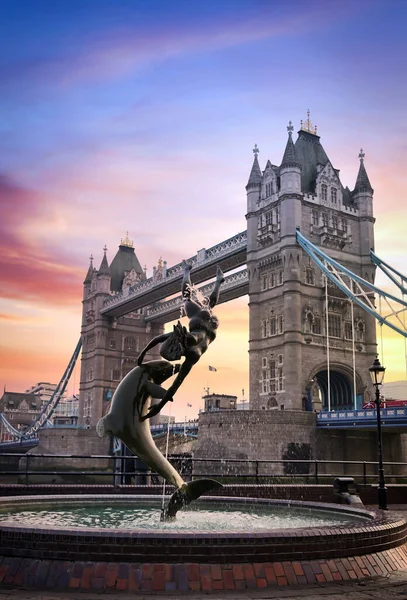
point(377, 372)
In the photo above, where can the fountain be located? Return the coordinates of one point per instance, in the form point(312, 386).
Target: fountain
point(219, 542)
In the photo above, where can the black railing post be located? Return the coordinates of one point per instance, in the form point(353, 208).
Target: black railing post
point(316, 472)
point(26, 469)
point(364, 473)
point(257, 472)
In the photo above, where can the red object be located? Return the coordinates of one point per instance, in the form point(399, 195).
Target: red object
point(385, 404)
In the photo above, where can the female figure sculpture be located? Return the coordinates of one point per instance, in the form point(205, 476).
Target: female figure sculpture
point(181, 342)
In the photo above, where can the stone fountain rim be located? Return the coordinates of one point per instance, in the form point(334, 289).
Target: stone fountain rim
point(371, 520)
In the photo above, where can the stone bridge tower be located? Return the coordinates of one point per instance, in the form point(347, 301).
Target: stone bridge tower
point(288, 337)
point(110, 346)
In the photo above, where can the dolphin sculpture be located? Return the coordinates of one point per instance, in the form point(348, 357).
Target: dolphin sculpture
point(127, 421)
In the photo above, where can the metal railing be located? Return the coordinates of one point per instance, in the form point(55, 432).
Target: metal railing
point(113, 470)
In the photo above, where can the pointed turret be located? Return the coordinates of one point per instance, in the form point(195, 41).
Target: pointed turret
point(290, 156)
point(290, 169)
point(104, 266)
point(362, 197)
point(255, 174)
point(362, 180)
point(89, 274)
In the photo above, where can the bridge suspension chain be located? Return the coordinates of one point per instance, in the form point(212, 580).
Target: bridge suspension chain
point(358, 289)
point(49, 407)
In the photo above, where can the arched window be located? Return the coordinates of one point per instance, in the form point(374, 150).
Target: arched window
point(324, 191)
point(130, 344)
point(334, 195)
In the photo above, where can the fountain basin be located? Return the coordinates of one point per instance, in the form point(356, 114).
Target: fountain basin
point(362, 532)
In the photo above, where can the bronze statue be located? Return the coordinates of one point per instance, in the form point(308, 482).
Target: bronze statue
point(125, 420)
point(181, 342)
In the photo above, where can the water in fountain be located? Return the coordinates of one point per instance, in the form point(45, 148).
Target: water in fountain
point(146, 516)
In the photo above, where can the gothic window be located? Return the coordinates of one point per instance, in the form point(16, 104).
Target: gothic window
point(269, 218)
point(334, 221)
point(112, 344)
point(309, 276)
point(280, 277)
point(315, 217)
point(324, 191)
point(264, 362)
point(273, 326)
point(269, 189)
point(280, 359)
point(334, 195)
point(264, 382)
point(344, 225)
point(264, 283)
point(316, 325)
point(115, 374)
point(280, 324)
point(334, 325)
point(130, 344)
point(280, 379)
point(272, 369)
point(89, 376)
point(264, 328)
point(273, 280)
point(348, 330)
point(278, 215)
point(325, 219)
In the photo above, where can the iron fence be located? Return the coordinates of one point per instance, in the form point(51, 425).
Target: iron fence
point(116, 470)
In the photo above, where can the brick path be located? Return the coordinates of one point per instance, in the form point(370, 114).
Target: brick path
point(183, 578)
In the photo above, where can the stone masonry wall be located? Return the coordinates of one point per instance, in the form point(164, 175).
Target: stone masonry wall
point(253, 435)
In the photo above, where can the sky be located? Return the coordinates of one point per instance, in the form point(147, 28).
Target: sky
point(141, 116)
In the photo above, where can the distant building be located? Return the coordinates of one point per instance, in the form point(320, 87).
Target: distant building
point(66, 412)
point(44, 390)
point(20, 409)
point(215, 402)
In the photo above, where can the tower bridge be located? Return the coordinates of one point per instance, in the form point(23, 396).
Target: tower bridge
point(305, 262)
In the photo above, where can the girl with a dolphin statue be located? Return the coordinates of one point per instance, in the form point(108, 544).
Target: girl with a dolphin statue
point(131, 403)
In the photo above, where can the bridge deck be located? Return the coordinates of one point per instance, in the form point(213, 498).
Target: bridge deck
point(229, 254)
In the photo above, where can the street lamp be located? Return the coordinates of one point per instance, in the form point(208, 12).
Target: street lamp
point(377, 375)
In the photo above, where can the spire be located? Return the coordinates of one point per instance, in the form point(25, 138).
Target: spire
point(255, 174)
point(89, 274)
point(362, 181)
point(290, 156)
point(104, 266)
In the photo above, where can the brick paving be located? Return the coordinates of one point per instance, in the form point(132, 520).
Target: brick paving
point(193, 578)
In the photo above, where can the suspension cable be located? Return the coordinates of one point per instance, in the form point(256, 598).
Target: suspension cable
point(327, 342)
point(353, 355)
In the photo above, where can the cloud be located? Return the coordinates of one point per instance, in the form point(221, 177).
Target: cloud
point(29, 270)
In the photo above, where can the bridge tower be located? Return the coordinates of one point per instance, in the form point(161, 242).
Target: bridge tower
point(110, 345)
point(289, 345)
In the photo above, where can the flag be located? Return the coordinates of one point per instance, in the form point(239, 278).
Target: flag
point(212, 368)
point(190, 405)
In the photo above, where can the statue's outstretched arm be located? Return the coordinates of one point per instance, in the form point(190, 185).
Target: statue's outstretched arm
point(159, 339)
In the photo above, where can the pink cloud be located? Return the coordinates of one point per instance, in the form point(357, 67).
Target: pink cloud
point(29, 271)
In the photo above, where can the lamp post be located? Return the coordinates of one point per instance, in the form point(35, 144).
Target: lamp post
point(377, 375)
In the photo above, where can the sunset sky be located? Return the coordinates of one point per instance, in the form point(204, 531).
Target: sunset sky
point(141, 115)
